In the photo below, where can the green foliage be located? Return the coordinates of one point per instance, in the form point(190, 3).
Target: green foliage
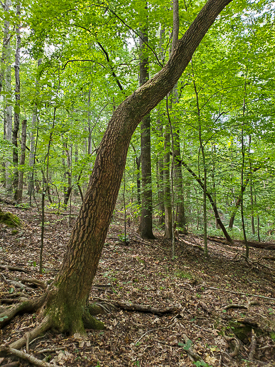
point(183, 274)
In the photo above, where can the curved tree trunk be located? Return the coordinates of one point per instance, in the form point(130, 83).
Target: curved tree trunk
point(69, 294)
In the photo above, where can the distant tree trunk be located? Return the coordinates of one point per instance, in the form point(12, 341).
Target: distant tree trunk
point(146, 218)
point(214, 207)
point(204, 186)
point(3, 66)
point(160, 178)
point(31, 155)
point(68, 295)
point(16, 109)
point(22, 161)
point(242, 175)
point(240, 197)
point(214, 181)
point(68, 175)
point(33, 143)
point(89, 124)
point(76, 163)
point(251, 190)
point(166, 184)
point(178, 182)
point(6, 83)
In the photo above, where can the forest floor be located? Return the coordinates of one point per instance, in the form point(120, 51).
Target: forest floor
point(220, 310)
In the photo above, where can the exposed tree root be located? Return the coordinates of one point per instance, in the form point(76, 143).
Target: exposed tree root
point(25, 356)
point(90, 322)
point(25, 306)
point(13, 268)
point(237, 345)
point(45, 325)
point(16, 284)
point(12, 364)
point(34, 281)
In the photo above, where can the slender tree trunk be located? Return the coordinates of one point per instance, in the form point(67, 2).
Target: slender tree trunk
point(160, 177)
point(22, 161)
point(33, 142)
point(214, 207)
point(3, 66)
point(204, 168)
point(167, 184)
point(138, 180)
point(17, 108)
point(146, 218)
point(178, 187)
point(68, 187)
point(240, 197)
point(76, 163)
point(7, 87)
point(90, 148)
point(251, 190)
point(68, 295)
point(242, 175)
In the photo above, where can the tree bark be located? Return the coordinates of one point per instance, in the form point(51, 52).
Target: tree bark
point(146, 218)
point(69, 293)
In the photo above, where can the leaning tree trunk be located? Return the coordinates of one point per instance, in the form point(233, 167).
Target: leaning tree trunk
point(69, 293)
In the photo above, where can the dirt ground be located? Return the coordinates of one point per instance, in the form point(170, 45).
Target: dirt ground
point(215, 311)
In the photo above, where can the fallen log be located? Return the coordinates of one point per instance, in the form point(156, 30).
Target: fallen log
point(135, 307)
point(254, 244)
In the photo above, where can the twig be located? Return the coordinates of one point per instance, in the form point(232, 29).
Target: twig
point(244, 294)
point(49, 350)
point(24, 356)
point(192, 355)
point(234, 305)
point(252, 346)
point(151, 330)
point(14, 268)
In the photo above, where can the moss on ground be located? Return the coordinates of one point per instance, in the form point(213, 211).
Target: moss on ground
point(9, 219)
